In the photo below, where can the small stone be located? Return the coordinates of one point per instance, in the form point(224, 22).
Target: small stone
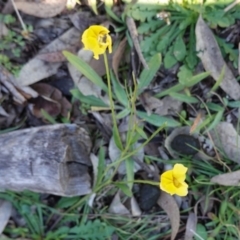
point(149, 195)
point(185, 144)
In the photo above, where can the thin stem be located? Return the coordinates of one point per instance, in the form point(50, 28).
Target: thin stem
point(111, 100)
point(19, 17)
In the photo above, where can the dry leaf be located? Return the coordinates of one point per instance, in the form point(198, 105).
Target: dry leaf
point(227, 179)
point(191, 226)
point(211, 57)
point(51, 100)
point(117, 207)
point(165, 106)
point(36, 69)
point(43, 8)
point(169, 205)
point(117, 57)
point(53, 57)
point(20, 93)
point(226, 138)
point(135, 209)
point(5, 213)
point(196, 122)
point(3, 30)
point(131, 25)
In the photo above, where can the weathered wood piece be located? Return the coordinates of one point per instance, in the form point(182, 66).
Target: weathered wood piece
point(48, 159)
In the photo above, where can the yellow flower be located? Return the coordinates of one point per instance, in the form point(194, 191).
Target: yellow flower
point(97, 39)
point(173, 181)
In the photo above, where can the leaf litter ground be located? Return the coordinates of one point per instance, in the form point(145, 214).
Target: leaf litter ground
point(190, 92)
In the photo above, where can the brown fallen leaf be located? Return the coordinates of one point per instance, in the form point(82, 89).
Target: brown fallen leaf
point(226, 138)
point(42, 9)
point(169, 205)
point(196, 122)
point(162, 107)
point(51, 100)
point(227, 179)
point(54, 57)
point(213, 62)
point(131, 25)
point(37, 69)
point(20, 93)
point(117, 57)
point(191, 226)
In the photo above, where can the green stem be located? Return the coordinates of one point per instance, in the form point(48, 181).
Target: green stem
point(115, 128)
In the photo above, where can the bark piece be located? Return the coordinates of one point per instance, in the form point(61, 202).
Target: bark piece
point(48, 159)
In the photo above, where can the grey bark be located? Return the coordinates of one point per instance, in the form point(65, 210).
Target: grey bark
point(49, 159)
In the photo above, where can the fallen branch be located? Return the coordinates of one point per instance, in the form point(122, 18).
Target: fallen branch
point(49, 159)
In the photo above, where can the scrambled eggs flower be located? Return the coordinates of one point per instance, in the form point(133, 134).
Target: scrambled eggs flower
point(97, 39)
point(173, 181)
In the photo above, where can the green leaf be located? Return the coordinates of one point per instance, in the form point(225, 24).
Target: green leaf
point(184, 74)
point(108, 7)
point(191, 58)
point(187, 80)
point(66, 202)
point(215, 107)
point(119, 91)
point(116, 138)
point(165, 41)
point(129, 163)
point(201, 231)
point(158, 121)
point(176, 88)
point(91, 100)
point(101, 166)
point(123, 113)
point(169, 59)
point(184, 98)
point(92, 230)
point(85, 69)
point(234, 104)
point(141, 132)
point(48, 117)
point(179, 49)
point(124, 188)
point(216, 120)
point(196, 79)
point(147, 75)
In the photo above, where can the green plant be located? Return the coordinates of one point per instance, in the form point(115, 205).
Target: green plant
point(174, 36)
point(11, 44)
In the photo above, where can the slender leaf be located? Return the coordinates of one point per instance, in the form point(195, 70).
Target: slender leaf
point(125, 189)
point(184, 98)
point(85, 69)
point(157, 120)
point(216, 120)
point(130, 172)
point(176, 88)
point(91, 100)
point(147, 75)
point(119, 91)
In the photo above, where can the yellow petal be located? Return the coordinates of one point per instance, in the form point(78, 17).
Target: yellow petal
point(92, 40)
point(168, 187)
point(179, 172)
point(182, 190)
point(109, 42)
